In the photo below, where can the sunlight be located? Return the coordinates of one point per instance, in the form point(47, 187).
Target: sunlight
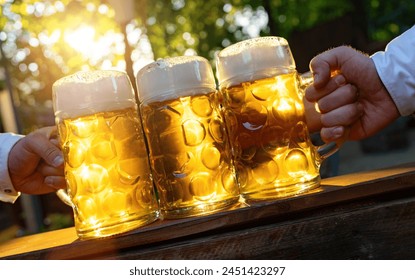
point(81, 39)
point(96, 49)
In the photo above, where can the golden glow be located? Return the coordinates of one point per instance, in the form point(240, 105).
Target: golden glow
point(284, 106)
point(81, 39)
point(96, 47)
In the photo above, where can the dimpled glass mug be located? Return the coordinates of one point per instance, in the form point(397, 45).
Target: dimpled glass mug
point(189, 148)
point(106, 162)
point(262, 97)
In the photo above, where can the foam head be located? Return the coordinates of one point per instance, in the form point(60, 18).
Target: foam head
point(253, 59)
point(175, 77)
point(88, 92)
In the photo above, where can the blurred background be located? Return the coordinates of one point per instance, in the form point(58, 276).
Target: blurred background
point(42, 41)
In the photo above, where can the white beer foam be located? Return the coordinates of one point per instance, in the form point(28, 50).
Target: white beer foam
point(175, 77)
point(253, 59)
point(88, 92)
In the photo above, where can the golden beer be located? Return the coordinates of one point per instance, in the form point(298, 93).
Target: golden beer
point(262, 98)
point(106, 162)
point(273, 152)
point(189, 149)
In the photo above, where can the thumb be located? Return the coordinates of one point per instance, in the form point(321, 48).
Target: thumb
point(40, 144)
point(325, 64)
point(43, 147)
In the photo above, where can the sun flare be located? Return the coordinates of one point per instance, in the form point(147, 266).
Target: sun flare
point(81, 39)
point(97, 49)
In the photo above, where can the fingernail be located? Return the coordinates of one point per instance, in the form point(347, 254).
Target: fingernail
point(58, 161)
point(337, 132)
point(49, 181)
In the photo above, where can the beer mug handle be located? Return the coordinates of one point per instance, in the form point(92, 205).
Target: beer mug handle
point(326, 149)
point(63, 195)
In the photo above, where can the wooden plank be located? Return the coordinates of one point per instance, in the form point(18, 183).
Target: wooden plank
point(381, 232)
point(338, 190)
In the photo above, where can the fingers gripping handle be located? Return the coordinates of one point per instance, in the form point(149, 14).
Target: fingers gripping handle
point(326, 149)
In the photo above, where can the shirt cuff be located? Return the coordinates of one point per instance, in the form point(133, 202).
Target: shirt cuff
point(7, 191)
point(395, 67)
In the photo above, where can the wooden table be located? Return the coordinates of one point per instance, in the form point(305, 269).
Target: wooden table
point(367, 215)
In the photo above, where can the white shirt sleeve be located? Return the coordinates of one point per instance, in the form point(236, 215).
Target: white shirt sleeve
point(7, 191)
point(396, 69)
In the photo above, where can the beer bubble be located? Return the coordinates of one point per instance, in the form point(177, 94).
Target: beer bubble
point(201, 106)
point(245, 146)
point(296, 163)
point(76, 152)
point(94, 178)
point(242, 174)
point(144, 196)
point(300, 135)
point(176, 165)
point(116, 203)
point(288, 85)
point(72, 184)
point(201, 186)
point(216, 130)
point(84, 127)
point(283, 110)
point(228, 180)
point(274, 139)
point(266, 171)
point(263, 90)
point(254, 116)
point(129, 170)
point(164, 128)
point(234, 97)
point(102, 147)
point(185, 163)
point(86, 207)
point(194, 132)
point(211, 156)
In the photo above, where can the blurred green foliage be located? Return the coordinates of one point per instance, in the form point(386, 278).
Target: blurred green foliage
point(214, 24)
point(35, 52)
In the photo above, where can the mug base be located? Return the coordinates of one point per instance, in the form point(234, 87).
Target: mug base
point(282, 191)
point(199, 209)
point(119, 227)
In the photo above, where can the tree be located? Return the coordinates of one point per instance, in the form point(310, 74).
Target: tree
point(39, 42)
point(40, 39)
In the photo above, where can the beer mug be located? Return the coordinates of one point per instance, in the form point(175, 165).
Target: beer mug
point(188, 145)
point(106, 161)
point(262, 97)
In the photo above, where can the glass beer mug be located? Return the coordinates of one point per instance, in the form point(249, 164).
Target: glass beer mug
point(106, 162)
point(189, 148)
point(262, 97)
